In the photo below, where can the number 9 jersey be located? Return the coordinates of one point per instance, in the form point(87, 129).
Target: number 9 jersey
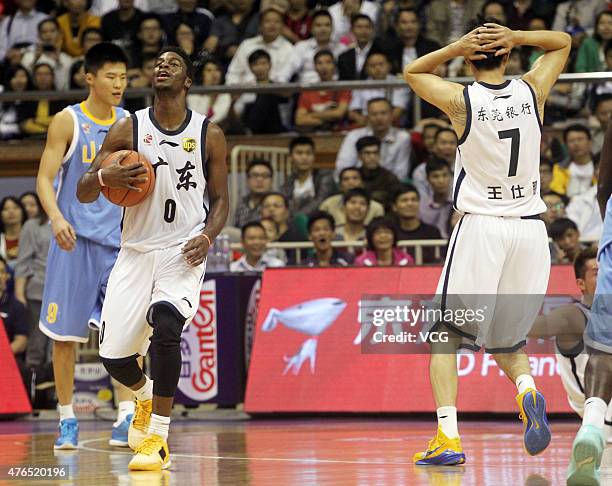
point(498, 156)
point(177, 208)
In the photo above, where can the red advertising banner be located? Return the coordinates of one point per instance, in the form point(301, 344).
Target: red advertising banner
point(307, 355)
point(13, 392)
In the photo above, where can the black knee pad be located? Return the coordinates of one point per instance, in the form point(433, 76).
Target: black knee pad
point(165, 348)
point(125, 370)
point(167, 325)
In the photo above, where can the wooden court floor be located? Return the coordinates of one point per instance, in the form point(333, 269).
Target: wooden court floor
point(324, 451)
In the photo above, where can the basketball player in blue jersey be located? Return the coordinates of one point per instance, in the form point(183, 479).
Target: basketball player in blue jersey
point(154, 288)
point(500, 245)
point(587, 450)
point(86, 238)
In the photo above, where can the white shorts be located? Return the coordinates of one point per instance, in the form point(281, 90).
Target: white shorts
point(137, 282)
point(499, 266)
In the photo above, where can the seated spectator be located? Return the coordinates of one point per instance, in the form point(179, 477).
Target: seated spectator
point(272, 235)
point(495, 9)
point(446, 21)
point(18, 80)
point(423, 137)
point(356, 202)
point(409, 43)
point(437, 201)
point(583, 209)
point(215, 106)
point(302, 61)
point(272, 42)
point(321, 226)
point(184, 37)
point(350, 178)
point(382, 250)
point(259, 183)
point(149, 40)
point(35, 116)
point(228, 30)
point(408, 226)
point(73, 24)
point(351, 64)
point(31, 203)
point(102, 7)
point(445, 148)
point(90, 37)
point(576, 175)
point(298, 21)
point(343, 15)
point(566, 237)
point(521, 12)
point(395, 143)
point(566, 100)
point(275, 206)
point(604, 87)
point(379, 182)
point(590, 58)
point(546, 173)
point(322, 110)
point(260, 112)
point(119, 25)
point(602, 111)
point(306, 187)
point(254, 243)
point(571, 13)
point(200, 21)
point(20, 28)
point(14, 320)
point(12, 219)
point(378, 68)
point(77, 75)
point(48, 51)
point(555, 207)
point(141, 78)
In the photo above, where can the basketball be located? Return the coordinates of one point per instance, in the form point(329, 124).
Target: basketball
point(127, 197)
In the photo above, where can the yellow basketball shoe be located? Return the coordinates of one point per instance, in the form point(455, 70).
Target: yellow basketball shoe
point(151, 455)
point(441, 451)
point(139, 426)
point(532, 408)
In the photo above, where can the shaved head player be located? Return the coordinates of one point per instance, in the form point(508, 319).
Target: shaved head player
point(154, 288)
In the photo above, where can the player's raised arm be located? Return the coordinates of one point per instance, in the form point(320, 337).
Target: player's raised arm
point(196, 249)
point(604, 185)
point(119, 137)
point(546, 70)
point(443, 94)
point(59, 138)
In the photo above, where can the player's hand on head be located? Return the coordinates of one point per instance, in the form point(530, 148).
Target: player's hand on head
point(195, 250)
point(470, 44)
point(497, 37)
point(124, 176)
point(64, 234)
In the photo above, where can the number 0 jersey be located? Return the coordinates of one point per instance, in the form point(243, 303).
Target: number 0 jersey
point(177, 207)
point(498, 156)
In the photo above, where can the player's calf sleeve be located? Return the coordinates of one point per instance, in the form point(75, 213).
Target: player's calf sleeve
point(165, 350)
point(125, 370)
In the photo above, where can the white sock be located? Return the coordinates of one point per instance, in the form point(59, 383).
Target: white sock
point(146, 392)
point(159, 425)
point(66, 411)
point(123, 410)
point(447, 420)
point(594, 412)
point(525, 382)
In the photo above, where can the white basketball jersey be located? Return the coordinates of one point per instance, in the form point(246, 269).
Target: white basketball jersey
point(177, 207)
point(498, 156)
point(572, 364)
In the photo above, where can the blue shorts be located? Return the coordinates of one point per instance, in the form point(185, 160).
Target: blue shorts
point(598, 333)
point(75, 286)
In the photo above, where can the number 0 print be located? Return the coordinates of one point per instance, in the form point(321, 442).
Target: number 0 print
point(515, 135)
point(170, 210)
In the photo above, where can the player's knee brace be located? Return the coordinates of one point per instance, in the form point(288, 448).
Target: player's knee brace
point(165, 349)
point(125, 370)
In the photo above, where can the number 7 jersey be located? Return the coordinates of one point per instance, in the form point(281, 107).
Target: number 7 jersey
point(498, 157)
point(178, 206)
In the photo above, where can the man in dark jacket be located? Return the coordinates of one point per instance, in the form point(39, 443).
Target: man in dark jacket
point(380, 183)
point(351, 64)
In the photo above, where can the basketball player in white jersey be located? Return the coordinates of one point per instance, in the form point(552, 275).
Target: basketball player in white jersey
point(500, 245)
point(566, 325)
point(154, 288)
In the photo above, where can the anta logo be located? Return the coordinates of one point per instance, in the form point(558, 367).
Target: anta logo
point(148, 138)
point(189, 144)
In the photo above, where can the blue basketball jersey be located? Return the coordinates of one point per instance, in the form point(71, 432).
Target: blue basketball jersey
point(99, 221)
point(606, 235)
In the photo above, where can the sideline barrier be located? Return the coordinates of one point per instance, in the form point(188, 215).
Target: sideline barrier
point(320, 367)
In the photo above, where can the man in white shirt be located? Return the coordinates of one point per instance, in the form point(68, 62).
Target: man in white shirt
point(270, 40)
point(342, 13)
point(21, 27)
point(578, 174)
point(254, 243)
point(302, 60)
point(395, 146)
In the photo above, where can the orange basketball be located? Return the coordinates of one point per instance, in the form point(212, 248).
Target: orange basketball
point(128, 197)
